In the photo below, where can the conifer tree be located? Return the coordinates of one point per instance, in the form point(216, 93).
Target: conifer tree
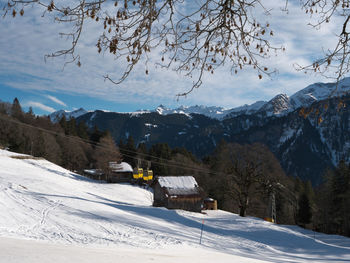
point(16, 109)
point(129, 152)
point(63, 123)
point(162, 152)
point(82, 130)
point(304, 213)
point(72, 127)
point(96, 134)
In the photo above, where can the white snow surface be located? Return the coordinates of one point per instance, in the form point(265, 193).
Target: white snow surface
point(49, 214)
point(177, 182)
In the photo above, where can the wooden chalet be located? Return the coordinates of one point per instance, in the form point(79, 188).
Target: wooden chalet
point(177, 192)
point(120, 173)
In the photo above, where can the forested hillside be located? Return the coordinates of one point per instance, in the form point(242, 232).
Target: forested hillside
point(242, 177)
point(306, 141)
point(65, 143)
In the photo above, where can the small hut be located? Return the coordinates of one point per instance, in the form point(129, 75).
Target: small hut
point(95, 174)
point(120, 173)
point(177, 192)
point(210, 204)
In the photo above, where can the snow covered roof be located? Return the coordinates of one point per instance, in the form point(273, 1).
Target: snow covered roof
point(177, 182)
point(120, 167)
point(93, 171)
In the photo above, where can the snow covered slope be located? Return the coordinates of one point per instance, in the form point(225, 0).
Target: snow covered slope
point(42, 201)
point(318, 92)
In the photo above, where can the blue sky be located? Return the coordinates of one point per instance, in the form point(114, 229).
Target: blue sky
point(47, 87)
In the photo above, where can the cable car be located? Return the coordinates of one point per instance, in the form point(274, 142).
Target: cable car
point(137, 174)
point(148, 175)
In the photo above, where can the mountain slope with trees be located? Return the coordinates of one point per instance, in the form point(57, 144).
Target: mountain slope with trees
point(65, 143)
point(306, 141)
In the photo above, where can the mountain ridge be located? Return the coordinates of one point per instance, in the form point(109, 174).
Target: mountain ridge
point(306, 145)
point(279, 105)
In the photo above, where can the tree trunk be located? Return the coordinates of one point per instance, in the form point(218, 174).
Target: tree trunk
point(243, 206)
point(242, 210)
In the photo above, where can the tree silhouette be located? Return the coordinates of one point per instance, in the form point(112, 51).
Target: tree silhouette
point(304, 213)
point(16, 109)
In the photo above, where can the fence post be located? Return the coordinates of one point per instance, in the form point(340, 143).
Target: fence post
point(200, 239)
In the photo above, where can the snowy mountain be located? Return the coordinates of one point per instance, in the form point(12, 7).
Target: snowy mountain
point(277, 106)
point(57, 115)
point(304, 147)
point(81, 220)
point(280, 105)
point(211, 112)
point(319, 91)
point(245, 109)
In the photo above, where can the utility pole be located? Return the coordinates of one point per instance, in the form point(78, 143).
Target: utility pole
point(200, 239)
point(271, 208)
point(31, 148)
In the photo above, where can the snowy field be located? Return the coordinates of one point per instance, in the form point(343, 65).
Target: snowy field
point(49, 214)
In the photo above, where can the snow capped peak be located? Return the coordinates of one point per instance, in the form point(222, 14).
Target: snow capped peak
point(212, 112)
point(162, 110)
point(278, 105)
point(77, 113)
point(57, 115)
point(319, 91)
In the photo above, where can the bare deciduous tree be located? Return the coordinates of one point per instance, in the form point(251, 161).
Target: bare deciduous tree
point(191, 37)
point(250, 171)
point(335, 63)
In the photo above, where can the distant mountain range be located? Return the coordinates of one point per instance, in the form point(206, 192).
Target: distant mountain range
point(279, 105)
point(305, 145)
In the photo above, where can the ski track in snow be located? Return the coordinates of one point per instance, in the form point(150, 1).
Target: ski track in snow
point(42, 201)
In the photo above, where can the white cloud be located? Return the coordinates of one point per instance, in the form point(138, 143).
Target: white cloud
point(39, 105)
point(54, 99)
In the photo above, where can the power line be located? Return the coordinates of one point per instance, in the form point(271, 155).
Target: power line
point(161, 161)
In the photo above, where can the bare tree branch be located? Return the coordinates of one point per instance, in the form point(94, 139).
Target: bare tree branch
point(192, 38)
point(335, 62)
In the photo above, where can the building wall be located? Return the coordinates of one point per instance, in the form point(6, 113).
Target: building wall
point(125, 177)
point(193, 203)
point(159, 198)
